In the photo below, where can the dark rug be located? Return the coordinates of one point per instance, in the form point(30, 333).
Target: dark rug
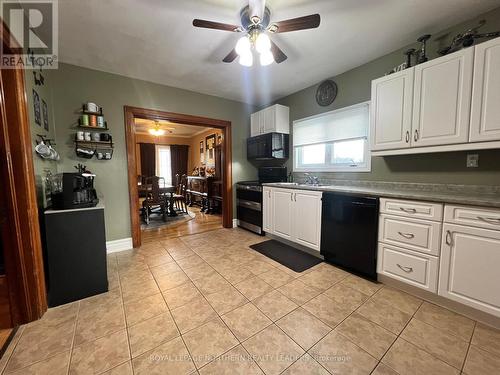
point(156, 221)
point(290, 257)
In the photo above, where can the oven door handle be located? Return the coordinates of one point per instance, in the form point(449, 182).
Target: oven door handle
point(256, 206)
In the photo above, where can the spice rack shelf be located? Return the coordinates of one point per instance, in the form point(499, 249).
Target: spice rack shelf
point(88, 148)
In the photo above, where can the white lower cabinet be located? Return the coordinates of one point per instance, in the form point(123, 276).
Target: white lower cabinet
point(469, 269)
point(294, 215)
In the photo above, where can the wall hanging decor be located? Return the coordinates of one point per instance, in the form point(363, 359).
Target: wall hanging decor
point(326, 93)
point(210, 150)
point(202, 152)
point(45, 114)
point(92, 138)
point(36, 108)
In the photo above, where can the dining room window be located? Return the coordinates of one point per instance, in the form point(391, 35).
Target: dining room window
point(163, 163)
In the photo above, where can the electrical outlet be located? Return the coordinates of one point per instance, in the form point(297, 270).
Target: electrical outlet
point(472, 160)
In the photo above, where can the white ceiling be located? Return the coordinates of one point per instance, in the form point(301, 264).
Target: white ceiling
point(142, 126)
point(154, 40)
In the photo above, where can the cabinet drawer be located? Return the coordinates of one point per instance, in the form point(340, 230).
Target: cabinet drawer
point(408, 266)
point(472, 216)
point(414, 234)
point(416, 209)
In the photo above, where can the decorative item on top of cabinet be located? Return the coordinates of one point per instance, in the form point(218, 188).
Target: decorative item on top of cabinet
point(273, 119)
point(467, 39)
point(326, 93)
point(422, 53)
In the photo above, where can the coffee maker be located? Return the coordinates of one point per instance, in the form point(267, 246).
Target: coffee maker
point(73, 190)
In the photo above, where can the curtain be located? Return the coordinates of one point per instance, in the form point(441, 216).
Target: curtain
point(148, 159)
point(179, 158)
point(163, 163)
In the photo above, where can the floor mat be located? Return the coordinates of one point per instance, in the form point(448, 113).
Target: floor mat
point(156, 221)
point(286, 255)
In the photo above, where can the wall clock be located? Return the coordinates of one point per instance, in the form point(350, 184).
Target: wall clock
point(326, 93)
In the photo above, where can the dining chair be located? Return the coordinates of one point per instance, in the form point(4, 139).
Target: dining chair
point(180, 196)
point(154, 199)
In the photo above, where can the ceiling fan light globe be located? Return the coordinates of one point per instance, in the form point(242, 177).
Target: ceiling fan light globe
point(243, 46)
point(263, 43)
point(266, 58)
point(246, 59)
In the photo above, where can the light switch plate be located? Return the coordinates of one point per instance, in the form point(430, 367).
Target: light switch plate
point(472, 160)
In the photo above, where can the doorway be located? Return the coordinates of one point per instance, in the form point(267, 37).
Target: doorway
point(198, 204)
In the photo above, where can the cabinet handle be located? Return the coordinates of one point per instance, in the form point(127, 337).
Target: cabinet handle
point(407, 136)
point(405, 269)
point(407, 235)
point(490, 220)
point(269, 192)
point(415, 137)
point(295, 197)
point(449, 238)
point(291, 197)
point(408, 210)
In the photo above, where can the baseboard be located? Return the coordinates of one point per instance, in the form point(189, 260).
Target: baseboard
point(235, 223)
point(119, 245)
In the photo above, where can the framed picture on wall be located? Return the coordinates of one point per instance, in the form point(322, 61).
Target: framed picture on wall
point(202, 153)
point(45, 114)
point(210, 150)
point(36, 108)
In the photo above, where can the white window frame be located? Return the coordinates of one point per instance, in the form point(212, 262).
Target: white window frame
point(365, 167)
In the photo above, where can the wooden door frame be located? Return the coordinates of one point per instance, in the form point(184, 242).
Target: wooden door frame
point(130, 114)
point(20, 222)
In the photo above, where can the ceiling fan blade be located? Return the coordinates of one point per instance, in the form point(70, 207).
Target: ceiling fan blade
point(215, 25)
point(301, 23)
point(278, 54)
point(231, 56)
point(256, 8)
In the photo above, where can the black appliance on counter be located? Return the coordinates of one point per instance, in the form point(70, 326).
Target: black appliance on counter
point(349, 230)
point(270, 146)
point(249, 198)
point(73, 190)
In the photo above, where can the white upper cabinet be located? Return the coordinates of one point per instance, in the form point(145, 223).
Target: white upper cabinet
point(391, 107)
point(485, 115)
point(442, 100)
point(272, 119)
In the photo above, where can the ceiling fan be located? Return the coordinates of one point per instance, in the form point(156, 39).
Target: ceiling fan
point(255, 24)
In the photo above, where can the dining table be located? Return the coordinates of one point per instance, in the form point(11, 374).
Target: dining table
point(144, 189)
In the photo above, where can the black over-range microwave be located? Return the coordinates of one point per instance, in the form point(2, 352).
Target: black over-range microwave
point(268, 146)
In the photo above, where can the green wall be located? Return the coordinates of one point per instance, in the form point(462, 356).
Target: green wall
point(73, 85)
point(354, 86)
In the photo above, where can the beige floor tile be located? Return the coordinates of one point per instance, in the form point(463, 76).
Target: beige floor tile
point(303, 327)
point(400, 300)
point(140, 310)
point(129, 279)
point(446, 320)
point(198, 271)
point(158, 259)
point(226, 300)
point(56, 365)
point(480, 362)
point(487, 338)
point(406, 358)
point(171, 280)
point(98, 319)
point(165, 269)
point(245, 321)
point(169, 358)
point(100, 355)
point(257, 267)
point(276, 278)
point(236, 274)
point(151, 333)
point(139, 291)
point(340, 356)
point(442, 345)
point(326, 309)
point(209, 341)
point(306, 365)
point(211, 284)
point(367, 335)
point(193, 314)
point(382, 369)
point(321, 279)
point(348, 298)
point(190, 262)
point(273, 350)
point(181, 295)
point(123, 369)
point(10, 349)
point(253, 287)
point(384, 315)
point(181, 253)
point(235, 361)
point(275, 305)
point(362, 285)
point(299, 292)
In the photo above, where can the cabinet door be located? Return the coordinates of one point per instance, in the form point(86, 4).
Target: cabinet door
point(485, 112)
point(282, 203)
point(442, 100)
point(255, 124)
point(268, 120)
point(391, 110)
point(468, 270)
point(282, 119)
point(267, 212)
point(307, 218)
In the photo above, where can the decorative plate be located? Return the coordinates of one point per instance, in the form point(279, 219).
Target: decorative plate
point(326, 93)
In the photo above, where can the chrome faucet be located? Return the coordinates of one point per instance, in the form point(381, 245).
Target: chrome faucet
point(311, 180)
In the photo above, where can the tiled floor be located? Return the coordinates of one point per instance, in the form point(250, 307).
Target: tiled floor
point(208, 304)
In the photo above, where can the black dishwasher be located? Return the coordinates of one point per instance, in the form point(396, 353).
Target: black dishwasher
point(349, 229)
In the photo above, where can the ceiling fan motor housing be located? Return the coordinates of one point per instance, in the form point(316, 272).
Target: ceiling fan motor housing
point(247, 22)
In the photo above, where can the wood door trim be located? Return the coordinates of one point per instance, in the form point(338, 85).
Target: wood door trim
point(130, 113)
